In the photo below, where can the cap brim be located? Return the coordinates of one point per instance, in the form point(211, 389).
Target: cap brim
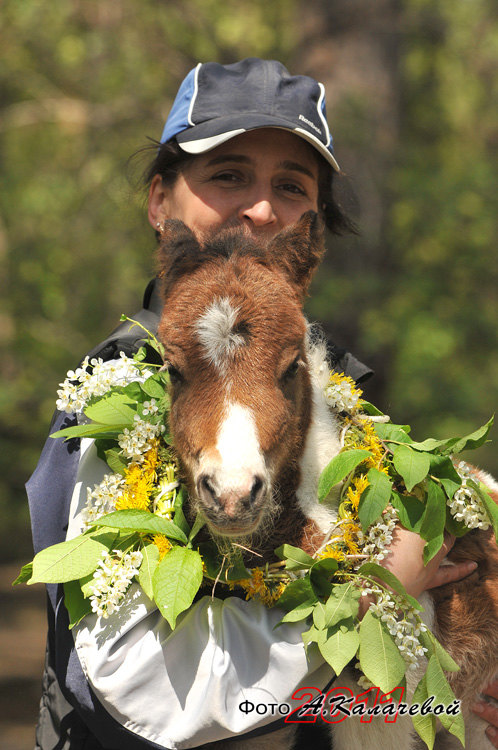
point(200, 138)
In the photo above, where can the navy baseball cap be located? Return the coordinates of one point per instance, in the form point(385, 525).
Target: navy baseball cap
point(218, 102)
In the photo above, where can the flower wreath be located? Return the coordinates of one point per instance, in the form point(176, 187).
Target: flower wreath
point(134, 528)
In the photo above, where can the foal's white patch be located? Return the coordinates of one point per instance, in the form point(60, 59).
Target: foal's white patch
point(322, 443)
point(215, 331)
point(239, 450)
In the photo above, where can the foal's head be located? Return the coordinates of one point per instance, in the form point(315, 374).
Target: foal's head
point(235, 340)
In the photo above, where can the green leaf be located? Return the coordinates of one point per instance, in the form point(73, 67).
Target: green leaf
point(374, 570)
point(431, 643)
point(77, 606)
point(133, 391)
point(392, 433)
point(425, 726)
point(341, 604)
point(340, 645)
point(457, 528)
point(313, 635)
point(375, 498)
point(319, 616)
point(112, 409)
point(432, 529)
point(456, 444)
point(410, 510)
point(211, 557)
point(179, 517)
point(371, 409)
point(90, 431)
point(380, 659)
point(154, 387)
point(412, 466)
point(176, 581)
point(437, 685)
point(321, 574)
point(298, 613)
point(86, 585)
point(115, 461)
point(67, 561)
point(295, 558)
point(339, 468)
point(432, 548)
point(25, 574)
point(442, 468)
point(149, 563)
point(431, 444)
point(237, 569)
point(297, 593)
point(141, 520)
point(474, 440)
point(199, 523)
point(489, 504)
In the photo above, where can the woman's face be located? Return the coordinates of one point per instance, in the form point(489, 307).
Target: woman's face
point(264, 180)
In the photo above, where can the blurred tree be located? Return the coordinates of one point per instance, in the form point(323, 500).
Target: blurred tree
point(83, 84)
point(414, 92)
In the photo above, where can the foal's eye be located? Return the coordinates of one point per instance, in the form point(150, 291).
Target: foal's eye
point(291, 371)
point(175, 375)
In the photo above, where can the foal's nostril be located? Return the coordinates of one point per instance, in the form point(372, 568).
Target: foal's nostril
point(205, 488)
point(256, 489)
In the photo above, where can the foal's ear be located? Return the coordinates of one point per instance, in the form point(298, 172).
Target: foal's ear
point(299, 249)
point(178, 252)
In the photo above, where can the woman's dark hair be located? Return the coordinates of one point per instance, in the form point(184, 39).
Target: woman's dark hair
point(169, 161)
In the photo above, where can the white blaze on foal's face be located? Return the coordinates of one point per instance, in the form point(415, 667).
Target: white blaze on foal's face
point(232, 479)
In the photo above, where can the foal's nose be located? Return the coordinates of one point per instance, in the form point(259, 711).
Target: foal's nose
point(233, 497)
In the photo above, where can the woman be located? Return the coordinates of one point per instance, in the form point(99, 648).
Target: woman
point(245, 144)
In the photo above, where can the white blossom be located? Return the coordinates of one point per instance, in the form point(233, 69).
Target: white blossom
point(342, 396)
point(135, 443)
point(150, 407)
point(466, 505)
point(111, 580)
point(81, 385)
point(403, 624)
point(102, 499)
point(376, 540)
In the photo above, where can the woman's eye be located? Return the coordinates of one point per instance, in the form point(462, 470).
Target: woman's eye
point(228, 177)
point(291, 187)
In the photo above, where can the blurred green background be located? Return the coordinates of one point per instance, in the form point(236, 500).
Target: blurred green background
point(411, 89)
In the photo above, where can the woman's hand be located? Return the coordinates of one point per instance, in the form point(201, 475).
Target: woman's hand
point(489, 712)
point(405, 560)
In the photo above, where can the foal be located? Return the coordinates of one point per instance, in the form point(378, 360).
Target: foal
point(242, 395)
point(253, 433)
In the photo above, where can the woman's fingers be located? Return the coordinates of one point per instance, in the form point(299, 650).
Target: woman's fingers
point(489, 713)
point(451, 573)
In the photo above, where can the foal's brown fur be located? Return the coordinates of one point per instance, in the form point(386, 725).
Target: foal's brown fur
point(258, 359)
point(262, 284)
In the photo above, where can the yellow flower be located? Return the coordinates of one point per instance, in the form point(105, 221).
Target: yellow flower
point(350, 536)
point(333, 551)
point(151, 458)
point(162, 543)
point(355, 490)
point(257, 586)
point(139, 481)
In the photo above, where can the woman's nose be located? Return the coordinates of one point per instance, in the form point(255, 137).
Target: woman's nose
point(258, 213)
